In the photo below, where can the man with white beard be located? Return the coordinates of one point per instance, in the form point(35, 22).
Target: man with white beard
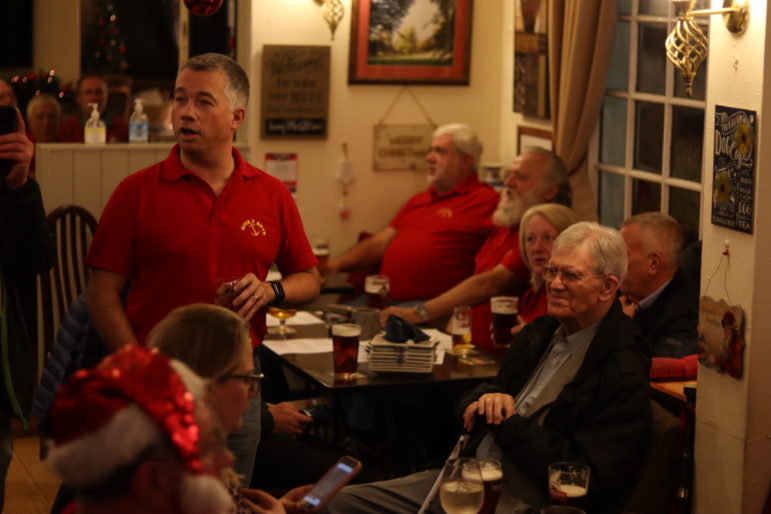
point(537, 176)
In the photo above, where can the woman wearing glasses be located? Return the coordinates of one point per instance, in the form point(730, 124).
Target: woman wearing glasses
point(215, 343)
point(540, 226)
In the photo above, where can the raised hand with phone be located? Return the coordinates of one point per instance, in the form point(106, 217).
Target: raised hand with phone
point(16, 150)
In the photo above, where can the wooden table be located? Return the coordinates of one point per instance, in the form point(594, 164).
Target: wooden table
point(671, 394)
point(413, 414)
point(317, 369)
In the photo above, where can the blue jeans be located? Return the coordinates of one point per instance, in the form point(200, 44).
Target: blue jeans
point(244, 443)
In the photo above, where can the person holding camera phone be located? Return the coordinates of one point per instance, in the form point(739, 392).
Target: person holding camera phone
point(26, 250)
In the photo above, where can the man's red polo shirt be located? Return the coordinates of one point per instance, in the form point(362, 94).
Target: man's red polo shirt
point(165, 229)
point(501, 247)
point(437, 237)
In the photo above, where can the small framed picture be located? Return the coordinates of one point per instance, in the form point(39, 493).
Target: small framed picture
point(529, 137)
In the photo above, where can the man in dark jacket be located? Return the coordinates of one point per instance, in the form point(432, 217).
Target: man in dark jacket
point(25, 251)
point(662, 299)
point(572, 387)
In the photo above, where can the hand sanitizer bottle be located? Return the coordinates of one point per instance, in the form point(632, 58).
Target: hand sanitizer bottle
point(138, 126)
point(96, 132)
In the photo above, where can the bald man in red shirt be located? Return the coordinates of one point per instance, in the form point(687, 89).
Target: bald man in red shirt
point(431, 243)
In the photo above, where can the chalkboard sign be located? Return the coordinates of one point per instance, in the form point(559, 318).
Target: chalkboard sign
point(733, 168)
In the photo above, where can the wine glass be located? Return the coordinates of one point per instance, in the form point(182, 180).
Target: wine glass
point(462, 490)
point(282, 314)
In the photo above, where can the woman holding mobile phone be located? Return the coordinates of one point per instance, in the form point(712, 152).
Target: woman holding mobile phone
point(215, 343)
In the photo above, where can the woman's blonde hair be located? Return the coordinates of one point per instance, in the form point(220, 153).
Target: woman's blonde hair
point(558, 216)
point(210, 339)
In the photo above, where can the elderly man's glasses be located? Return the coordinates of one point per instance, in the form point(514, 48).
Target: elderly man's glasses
point(550, 273)
point(253, 380)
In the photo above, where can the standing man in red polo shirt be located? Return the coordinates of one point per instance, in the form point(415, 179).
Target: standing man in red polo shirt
point(431, 243)
point(537, 176)
point(92, 89)
point(177, 229)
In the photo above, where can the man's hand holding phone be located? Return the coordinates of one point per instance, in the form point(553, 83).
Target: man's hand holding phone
point(16, 150)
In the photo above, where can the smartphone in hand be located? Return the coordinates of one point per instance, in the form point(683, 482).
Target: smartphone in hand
point(337, 476)
point(7, 125)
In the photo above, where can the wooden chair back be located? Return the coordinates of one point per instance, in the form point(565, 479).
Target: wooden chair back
point(73, 229)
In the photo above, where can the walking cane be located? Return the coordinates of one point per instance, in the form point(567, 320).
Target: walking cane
point(462, 440)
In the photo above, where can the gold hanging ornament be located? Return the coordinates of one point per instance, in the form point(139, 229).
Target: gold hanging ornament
point(332, 11)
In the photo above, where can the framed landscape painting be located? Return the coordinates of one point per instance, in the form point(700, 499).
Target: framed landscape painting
point(410, 42)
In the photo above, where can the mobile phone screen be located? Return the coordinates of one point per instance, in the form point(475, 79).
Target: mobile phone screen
point(332, 480)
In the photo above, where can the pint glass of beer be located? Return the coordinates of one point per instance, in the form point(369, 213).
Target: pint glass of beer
point(345, 349)
point(461, 330)
point(492, 478)
point(504, 310)
point(569, 483)
point(321, 251)
point(376, 289)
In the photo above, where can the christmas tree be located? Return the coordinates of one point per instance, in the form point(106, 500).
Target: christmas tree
point(105, 48)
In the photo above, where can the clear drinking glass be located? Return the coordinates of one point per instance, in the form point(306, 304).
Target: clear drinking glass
point(282, 314)
point(461, 330)
point(569, 483)
point(462, 490)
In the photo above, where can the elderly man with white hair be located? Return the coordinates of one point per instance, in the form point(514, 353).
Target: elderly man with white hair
point(430, 245)
point(572, 387)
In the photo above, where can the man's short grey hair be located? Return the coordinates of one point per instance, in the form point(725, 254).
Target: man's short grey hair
point(606, 247)
point(556, 174)
point(236, 81)
point(43, 99)
point(659, 232)
point(465, 139)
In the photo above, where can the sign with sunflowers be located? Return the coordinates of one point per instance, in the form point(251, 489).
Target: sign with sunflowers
point(733, 168)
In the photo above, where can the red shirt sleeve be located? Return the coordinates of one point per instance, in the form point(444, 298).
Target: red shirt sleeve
point(113, 246)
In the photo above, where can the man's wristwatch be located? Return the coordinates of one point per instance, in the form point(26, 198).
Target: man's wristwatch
point(421, 311)
point(278, 290)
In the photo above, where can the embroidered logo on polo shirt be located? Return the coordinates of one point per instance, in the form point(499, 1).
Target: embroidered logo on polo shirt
point(444, 212)
point(256, 228)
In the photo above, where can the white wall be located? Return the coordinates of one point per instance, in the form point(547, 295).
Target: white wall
point(354, 109)
point(733, 431)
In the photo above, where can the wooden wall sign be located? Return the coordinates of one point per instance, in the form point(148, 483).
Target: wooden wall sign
point(295, 91)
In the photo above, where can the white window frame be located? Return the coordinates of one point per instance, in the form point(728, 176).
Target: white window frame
point(668, 100)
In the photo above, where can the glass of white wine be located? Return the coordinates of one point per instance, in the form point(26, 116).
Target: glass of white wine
point(282, 314)
point(462, 490)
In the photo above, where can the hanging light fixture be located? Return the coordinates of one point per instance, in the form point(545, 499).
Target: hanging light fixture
point(332, 11)
point(687, 45)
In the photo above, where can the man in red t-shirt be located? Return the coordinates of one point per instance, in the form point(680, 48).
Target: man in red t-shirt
point(181, 227)
point(92, 89)
point(537, 176)
point(431, 243)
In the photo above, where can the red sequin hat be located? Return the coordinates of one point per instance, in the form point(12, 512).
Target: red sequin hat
point(102, 418)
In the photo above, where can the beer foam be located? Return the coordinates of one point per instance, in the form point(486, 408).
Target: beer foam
point(346, 330)
point(488, 473)
point(572, 491)
point(504, 305)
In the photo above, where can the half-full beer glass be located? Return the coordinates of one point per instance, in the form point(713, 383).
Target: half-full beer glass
point(492, 478)
point(569, 483)
point(504, 310)
point(320, 247)
point(345, 349)
point(376, 288)
point(461, 330)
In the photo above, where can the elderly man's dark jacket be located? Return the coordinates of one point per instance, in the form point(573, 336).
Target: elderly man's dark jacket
point(601, 417)
point(668, 326)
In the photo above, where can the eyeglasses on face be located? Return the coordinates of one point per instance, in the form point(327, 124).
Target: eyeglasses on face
point(253, 380)
point(550, 273)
